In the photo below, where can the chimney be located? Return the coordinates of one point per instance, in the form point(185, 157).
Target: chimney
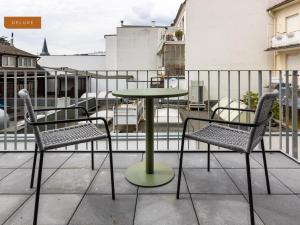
point(122, 23)
point(12, 39)
point(153, 23)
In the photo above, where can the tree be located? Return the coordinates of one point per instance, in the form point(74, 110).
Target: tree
point(3, 40)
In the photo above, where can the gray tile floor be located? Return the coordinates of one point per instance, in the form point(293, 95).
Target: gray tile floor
point(74, 194)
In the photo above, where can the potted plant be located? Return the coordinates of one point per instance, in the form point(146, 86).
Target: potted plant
point(179, 34)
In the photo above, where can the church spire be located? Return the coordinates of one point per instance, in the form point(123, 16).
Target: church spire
point(45, 48)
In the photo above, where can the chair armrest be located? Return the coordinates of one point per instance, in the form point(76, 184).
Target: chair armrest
point(235, 109)
point(63, 108)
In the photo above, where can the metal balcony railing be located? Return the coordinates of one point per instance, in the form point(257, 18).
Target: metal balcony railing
point(92, 89)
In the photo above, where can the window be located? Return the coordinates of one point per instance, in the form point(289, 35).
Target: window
point(26, 62)
point(4, 60)
point(8, 61)
point(292, 23)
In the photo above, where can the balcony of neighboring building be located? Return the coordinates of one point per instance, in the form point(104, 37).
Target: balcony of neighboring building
point(171, 36)
point(286, 40)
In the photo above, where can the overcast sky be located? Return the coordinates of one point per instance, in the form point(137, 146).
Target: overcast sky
point(78, 26)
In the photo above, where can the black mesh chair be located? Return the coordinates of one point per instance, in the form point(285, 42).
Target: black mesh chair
point(56, 138)
point(234, 139)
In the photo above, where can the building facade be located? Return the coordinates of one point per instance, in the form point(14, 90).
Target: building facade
point(285, 39)
point(18, 63)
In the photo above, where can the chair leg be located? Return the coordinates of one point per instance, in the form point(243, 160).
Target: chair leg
point(111, 169)
point(38, 188)
point(208, 157)
point(250, 189)
point(92, 154)
point(33, 166)
point(180, 168)
point(265, 166)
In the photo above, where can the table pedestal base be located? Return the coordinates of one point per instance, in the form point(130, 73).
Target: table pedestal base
point(136, 174)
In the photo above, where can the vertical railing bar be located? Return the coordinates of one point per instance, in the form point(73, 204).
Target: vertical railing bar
point(46, 99)
point(168, 120)
point(208, 94)
point(249, 96)
point(5, 109)
point(55, 96)
point(15, 110)
point(66, 104)
point(280, 110)
point(117, 133)
point(25, 124)
point(127, 101)
point(219, 89)
point(35, 89)
point(239, 93)
point(229, 93)
point(198, 76)
point(178, 115)
point(76, 99)
point(86, 98)
point(259, 91)
point(137, 131)
point(96, 78)
point(295, 114)
point(270, 123)
point(287, 132)
point(106, 105)
point(157, 124)
point(188, 128)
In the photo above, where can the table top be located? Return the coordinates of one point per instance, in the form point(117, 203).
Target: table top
point(150, 93)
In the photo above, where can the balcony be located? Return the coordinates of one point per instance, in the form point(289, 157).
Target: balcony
point(285, 41)
point(169, 37)
point(74, 194)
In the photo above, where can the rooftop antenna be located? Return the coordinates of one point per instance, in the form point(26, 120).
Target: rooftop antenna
point(12, 39)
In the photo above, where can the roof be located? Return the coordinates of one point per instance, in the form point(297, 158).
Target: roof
point(141, 26)
point(282, 3)
point(11, 50)
point(178, 13)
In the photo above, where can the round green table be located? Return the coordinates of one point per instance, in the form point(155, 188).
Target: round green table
point(148, 173)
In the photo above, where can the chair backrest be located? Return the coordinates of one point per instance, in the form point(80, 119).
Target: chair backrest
point(32, 116)
point(263, 113)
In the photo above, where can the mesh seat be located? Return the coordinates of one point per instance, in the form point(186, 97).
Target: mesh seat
point(222, 136)
point(70, 135)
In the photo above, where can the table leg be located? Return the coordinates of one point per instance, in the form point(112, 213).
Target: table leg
point(149, 135)
point(148, 173)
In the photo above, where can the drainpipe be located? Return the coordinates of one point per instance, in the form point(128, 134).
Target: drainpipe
point(274, 30)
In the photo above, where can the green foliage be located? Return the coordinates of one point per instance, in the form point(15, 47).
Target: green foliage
point(253, 97)
point(179, 34)
point(3, 40)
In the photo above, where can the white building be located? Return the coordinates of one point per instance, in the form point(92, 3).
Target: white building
point(225, 35)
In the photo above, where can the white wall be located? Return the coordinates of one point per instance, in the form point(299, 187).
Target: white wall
point(111, 52)
point(229, 34)
point(133, 48)
point(137, 47)
point(78, 62)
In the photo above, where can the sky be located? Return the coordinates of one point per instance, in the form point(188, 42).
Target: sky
point(78, 26)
